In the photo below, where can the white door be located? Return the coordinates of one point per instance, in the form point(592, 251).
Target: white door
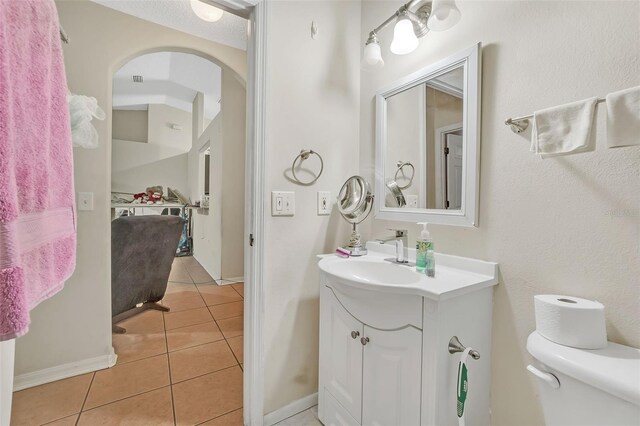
point(341, 361)
point(454, 171)
point(392, 371)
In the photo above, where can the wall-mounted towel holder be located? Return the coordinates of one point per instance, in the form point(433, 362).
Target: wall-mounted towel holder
point(520, 124)
point(304, 155)
point(455, 346)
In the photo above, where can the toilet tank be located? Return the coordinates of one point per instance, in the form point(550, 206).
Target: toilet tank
point(586, 387)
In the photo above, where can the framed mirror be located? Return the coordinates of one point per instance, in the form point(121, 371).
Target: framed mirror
point(428, 143)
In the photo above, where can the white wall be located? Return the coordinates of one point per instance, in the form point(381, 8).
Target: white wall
point(197, 127)
point(232, 165)
point(161, 117)
point(207, 223)
point(130, 125)
point(136, 166)
point(568, 225)
point(313, 103)
point(161, 161)
point(219, 231)
point(75, 324)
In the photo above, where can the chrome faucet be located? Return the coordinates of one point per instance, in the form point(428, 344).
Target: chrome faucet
point(401, 239)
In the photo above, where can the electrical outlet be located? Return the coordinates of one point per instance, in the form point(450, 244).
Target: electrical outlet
point(412, 201)
point(85, 201)
point(324, 203)
point(283, 203)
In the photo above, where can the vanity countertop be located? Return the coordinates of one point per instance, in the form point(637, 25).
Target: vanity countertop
point(454, 275)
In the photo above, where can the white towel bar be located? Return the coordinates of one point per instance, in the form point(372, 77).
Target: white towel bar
point(520, 124)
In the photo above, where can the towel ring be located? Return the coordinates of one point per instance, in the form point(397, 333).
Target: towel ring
point(401, 165)
point(305, 154)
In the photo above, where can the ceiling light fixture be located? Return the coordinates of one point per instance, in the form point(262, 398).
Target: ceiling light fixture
point(410, 26)
point(205, 11)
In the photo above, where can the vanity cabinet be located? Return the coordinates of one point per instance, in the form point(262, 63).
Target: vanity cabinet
point(384, 356)
point(372, 373)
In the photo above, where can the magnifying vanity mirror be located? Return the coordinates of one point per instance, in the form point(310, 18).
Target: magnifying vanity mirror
point(355, 202)
point(427, 143)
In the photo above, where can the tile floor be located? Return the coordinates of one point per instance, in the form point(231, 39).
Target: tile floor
point(183, 367)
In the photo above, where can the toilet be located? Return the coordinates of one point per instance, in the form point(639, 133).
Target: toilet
point(586, 387)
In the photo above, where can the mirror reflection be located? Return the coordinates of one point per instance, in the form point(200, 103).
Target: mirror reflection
point(424, 144)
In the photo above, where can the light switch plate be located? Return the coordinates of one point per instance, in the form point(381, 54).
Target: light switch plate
point(85, 201)
point(324, 203)
point(412, 201)
point(283, 203)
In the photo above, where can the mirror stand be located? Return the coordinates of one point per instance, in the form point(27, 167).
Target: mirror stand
point(355, 245)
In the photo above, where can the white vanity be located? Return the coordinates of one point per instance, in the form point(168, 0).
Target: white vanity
point(384, 334)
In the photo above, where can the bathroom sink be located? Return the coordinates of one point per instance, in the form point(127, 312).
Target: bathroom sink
point(373, 272)
point(454, 275)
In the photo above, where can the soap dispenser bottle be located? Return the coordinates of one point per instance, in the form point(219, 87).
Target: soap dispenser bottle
point(422, 247)
point(425, 259)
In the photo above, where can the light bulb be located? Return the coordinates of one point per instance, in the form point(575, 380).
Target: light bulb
point(372, 57)
point(205, 11)
point(444, 15)
point(404, 39)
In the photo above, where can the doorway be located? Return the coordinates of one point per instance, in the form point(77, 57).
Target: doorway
point(178, 148)
point(448, 149)
point(250, 219)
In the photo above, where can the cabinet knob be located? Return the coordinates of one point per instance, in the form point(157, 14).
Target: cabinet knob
point(355, 334)
point(364, 340)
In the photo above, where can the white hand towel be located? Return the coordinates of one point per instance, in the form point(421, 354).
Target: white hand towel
point(623, 118)
point(564, 129)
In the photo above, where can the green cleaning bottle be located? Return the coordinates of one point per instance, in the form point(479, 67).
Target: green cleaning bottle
point(424, 253)
point(431, 260)
point(422, 247)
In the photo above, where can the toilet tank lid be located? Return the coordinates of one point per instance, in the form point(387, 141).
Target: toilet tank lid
point(614, 369)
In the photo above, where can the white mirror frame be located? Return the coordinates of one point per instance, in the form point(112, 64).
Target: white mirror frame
point(468, 214)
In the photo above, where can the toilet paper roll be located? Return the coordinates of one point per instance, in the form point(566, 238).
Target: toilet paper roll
point(571, 321)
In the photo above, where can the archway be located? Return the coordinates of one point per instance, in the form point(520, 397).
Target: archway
point(199, 287)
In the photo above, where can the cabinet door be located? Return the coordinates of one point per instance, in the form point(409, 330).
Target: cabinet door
point(341, 354)
point(335, 414)
point(392, 372)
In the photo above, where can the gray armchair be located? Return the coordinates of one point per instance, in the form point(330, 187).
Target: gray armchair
point(142, 251)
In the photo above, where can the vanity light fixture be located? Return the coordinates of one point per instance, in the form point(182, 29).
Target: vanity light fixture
point(205, 11)
point(435, 15)
point(404, 38)
point(372, 57)
point(444, 15)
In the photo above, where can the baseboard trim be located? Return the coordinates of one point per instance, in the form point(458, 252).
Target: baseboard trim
point(51, 374)
point(290, 410)
point(232, 280)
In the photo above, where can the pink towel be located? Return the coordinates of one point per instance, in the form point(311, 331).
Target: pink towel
point(37, 207)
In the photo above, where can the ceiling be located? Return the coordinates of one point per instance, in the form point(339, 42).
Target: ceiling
point(169, 78)
point(453, 78)
point(177, 14)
